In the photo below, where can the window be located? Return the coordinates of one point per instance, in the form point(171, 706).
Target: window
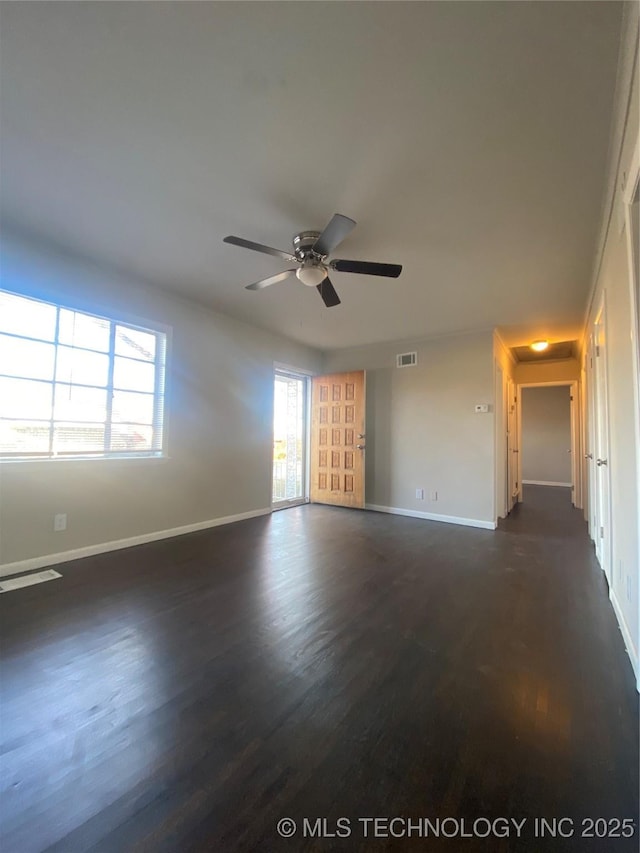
point(289, 438)
point(76, 384)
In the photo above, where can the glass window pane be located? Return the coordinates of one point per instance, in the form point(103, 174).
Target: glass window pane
point(85, 368)
point(288, 438)
point(77, 403)
point(25, 398)
point(131, 437)
point(24, 437)
point(57, 389)
point(133, 375)
point(83, 330)
point(22, 316)
point(132, 408)
point(80, 438)
point(32, 359)
point(135, 344)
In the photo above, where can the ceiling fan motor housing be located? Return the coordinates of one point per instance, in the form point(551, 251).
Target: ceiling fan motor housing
point(312, 271)
point(303, 244)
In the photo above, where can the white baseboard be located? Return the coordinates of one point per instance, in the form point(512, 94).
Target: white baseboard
point(626, 636)
point(545, 483)
point(117, 544)
point(432, 516)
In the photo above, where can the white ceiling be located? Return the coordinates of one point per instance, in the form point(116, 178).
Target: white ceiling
point(468, 140)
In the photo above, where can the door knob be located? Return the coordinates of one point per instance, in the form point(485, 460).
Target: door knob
point(360, 446)
point(600, 462)
point(588, 455)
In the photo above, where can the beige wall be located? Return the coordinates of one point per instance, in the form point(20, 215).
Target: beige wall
point(546, 434)
point(551, 371)
point(422, 431)
point(218, 417)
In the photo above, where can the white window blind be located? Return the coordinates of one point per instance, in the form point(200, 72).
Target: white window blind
point(76, 384)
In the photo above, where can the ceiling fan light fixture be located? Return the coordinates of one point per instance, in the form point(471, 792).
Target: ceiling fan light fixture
point(312, 275)
point(311, 250)
point(539, 346)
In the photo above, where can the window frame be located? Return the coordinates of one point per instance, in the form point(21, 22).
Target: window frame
point(163, 335)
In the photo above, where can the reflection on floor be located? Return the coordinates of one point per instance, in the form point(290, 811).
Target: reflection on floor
point(187, 694)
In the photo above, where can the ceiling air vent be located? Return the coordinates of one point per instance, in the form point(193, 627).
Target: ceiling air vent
point(406, 359)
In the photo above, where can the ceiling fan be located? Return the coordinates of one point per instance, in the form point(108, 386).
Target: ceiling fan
point(311, 250)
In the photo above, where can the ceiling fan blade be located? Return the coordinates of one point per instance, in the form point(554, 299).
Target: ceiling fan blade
point(273, 279)
point(328, 293)
point(258, 247)
point(333, 234)
point(367, 268)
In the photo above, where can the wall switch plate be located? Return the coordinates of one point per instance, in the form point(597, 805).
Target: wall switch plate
point(433, 496)
point(60, 522)
point(420, 494)
point(482, 408)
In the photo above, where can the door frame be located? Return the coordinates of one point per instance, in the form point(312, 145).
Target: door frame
point(501, 489)
point(305, 376)
point(589, 411)
point(514, 483)
point(604, 549)
point(574, 410)
point(631, 193)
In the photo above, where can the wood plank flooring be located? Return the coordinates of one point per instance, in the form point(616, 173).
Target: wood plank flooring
point(187, 694)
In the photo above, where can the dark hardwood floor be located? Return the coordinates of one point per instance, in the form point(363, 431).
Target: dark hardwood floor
point(187, 694)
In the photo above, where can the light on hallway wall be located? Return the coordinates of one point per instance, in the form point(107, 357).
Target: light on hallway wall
point(539, 346)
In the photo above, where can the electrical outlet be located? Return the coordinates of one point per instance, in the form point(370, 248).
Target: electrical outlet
point(433, 496)
point(420, 494)
point(481, 408)
point(60, 522)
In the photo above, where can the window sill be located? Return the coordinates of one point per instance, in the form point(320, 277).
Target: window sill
point(22, 460)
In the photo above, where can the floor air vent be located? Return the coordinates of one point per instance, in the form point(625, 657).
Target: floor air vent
point(28, 580)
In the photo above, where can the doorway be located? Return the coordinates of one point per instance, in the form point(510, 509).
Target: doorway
point(290, 430)
point(547, 421)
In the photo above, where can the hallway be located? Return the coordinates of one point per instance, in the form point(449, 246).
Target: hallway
point(187, 694)
point(546, 511)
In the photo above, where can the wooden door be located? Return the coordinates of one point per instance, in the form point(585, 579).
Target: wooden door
point(513, 476)
point(338, 439)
